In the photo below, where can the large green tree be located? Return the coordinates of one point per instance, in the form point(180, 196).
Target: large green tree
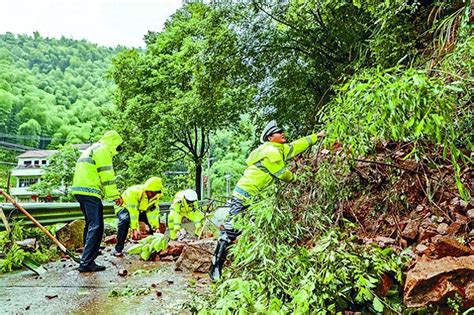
point(175, 95)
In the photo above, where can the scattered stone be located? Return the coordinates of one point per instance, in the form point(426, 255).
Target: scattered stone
point(170, 281)
point(196, 256)
point(403, 243)
point(50, 297)
point(112, 239)
point(445, 246)
point(154, 285)
point(28, 307)
point(470, 214)
point(29, 244)
point(436, 219)
point(159, 294)
point(123, 272)
point(384, 241)
point(420, 249)
point(442, 228)
point(454, 228)
point(411, 230)
point(71, 235)
point(168, 258)
point(174, 249)
point(426, 233)
point(432, 282)
point(109, 229)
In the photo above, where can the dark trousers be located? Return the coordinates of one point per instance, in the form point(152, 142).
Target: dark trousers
point(123, 225)
point(237, 206)
point(93, 211)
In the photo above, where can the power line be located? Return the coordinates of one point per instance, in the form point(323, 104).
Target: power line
point(7, 135)
point(15, 147)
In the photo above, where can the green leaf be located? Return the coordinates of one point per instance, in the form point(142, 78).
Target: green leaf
point(378, 306)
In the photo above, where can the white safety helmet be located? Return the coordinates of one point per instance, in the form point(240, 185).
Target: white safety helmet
point(190, 195)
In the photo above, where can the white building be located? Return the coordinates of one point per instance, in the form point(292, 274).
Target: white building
point(29, 170)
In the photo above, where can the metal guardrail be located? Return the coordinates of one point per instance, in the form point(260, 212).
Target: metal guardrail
point(57, 212)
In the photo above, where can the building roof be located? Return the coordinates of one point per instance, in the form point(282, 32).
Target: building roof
point(36, 154)
point(48, 153)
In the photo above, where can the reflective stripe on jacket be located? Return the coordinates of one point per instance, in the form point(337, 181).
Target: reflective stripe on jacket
point(94, 174)
point(267, 163)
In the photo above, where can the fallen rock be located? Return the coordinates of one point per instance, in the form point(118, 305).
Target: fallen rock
point(167, 258)
point(384, 241)
point(109, 229)
point(420, 248)
point(196, 256)
point(71, 235)
point(442, 228)
point(470, 214)
point(454, 228)
point(174, 249)
point(112, 239)
point(29, 244)
point(432, 282)
point(411, 230)
point(445, 246)
point(123, 272)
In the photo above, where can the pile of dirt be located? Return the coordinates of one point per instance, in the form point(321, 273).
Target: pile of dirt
point(407, 202)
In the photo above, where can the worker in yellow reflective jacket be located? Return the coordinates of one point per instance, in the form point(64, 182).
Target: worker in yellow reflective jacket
point(94, 180)
point(184, 205)
point(140, 203)
point(265, 164)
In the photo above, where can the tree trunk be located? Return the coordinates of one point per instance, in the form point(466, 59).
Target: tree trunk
point(198, 179)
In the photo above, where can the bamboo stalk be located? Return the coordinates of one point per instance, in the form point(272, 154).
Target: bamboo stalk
point(29, 216)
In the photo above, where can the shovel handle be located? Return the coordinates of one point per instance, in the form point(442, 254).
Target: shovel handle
point(29, 216)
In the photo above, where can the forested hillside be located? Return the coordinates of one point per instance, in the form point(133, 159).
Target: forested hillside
point(52, 88)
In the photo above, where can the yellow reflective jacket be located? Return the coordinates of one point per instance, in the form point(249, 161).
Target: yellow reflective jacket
point(135, 201)
point(267, 163)
point(94, 174)
point(181, 206)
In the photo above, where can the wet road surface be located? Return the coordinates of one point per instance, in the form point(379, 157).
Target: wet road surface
point(63, 290)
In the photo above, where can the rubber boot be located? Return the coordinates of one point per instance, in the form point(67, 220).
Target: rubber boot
point(218, 259)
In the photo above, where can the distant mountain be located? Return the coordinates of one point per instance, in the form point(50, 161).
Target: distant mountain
point(52, 88)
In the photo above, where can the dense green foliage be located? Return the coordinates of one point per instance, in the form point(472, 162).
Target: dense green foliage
point(52, 88)
point(14, 255)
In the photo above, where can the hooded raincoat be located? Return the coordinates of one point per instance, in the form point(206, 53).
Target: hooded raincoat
point(181, 208)
point(135, 201)
point(267, 163)
point(94, 174)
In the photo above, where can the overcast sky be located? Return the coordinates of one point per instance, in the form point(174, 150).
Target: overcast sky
point(105, 22)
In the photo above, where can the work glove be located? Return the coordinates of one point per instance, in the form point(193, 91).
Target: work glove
point(135, 234)
point(118, 202)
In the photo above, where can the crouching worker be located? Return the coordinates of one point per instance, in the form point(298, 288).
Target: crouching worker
point(140, 203)
point(265, 165)
point(184, 205)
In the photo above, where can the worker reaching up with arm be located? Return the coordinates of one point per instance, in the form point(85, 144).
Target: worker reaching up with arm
point(140, 203)
point(265, 164)
point(94, 180)
point(184, 205)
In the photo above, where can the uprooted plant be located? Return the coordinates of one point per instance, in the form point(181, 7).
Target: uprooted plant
point(13, 255)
